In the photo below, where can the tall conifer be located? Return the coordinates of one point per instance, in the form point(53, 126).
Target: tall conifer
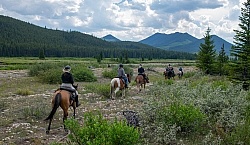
point(241, 50)
point(206, 56)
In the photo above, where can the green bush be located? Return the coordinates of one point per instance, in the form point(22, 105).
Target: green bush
point(187, 117)
point(82, 74)
point(113, 73)
point(24, 92)
point(166, 82)
point(51, 76)
point(101, 89)
point(223, 85)
point(99, 131)
point(189, 74)
point(51, 73)
point(109, 74)
point(40, 68)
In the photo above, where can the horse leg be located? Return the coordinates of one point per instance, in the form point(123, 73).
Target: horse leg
point(138, 87)
point(65, 115)
point(47, 131)
point(55, 104)
point(111, 91)
point(74, 112)
point(114, 94)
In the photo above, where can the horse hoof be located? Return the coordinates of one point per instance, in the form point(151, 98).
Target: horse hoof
point(47, 131)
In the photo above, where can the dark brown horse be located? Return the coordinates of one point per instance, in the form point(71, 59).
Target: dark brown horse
point(63, 99)
point(169, 74)
point(117, 84)
point(140, 82)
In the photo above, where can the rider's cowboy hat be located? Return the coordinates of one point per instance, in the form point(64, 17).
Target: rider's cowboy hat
point(66, 68)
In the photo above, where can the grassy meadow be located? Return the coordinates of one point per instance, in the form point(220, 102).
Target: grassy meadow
point(196, 109)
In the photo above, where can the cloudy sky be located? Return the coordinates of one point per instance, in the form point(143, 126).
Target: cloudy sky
point(131, 20)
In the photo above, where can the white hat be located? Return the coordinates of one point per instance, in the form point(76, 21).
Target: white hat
point(67, 68)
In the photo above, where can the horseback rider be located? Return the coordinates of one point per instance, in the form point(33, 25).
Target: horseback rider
point(121, 74)
point(170, 68)
point(180, 70)
point(67, 83)
point(141, 71)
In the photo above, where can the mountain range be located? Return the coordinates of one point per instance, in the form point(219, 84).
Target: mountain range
point(177, 41)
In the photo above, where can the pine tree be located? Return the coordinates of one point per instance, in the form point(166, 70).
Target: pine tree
point(241, 49)
point(206, 56)
point(41, 54)
point(222, 61)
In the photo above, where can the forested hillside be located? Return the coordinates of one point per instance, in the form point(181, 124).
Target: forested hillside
point(18, 38)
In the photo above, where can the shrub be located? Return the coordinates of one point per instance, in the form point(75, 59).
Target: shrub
point(241, 134)
point(40, 68)
point(109, 74)
point(187, 117)
point(51, 76)
point(82, 74)
point(36, 112)
point(223, 85)
point(98, 131)
point(166, 82)
point(113, 73)
point(101, 89)
point(189, 74)
point(51, 73)
point(24, 92)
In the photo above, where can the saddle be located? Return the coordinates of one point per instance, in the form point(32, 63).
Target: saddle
point(121, 79)
point(71, 91)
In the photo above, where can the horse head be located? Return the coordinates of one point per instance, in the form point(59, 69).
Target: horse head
point(129, 77)
point(75, 86)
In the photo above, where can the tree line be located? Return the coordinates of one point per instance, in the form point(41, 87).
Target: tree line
point(18, 39)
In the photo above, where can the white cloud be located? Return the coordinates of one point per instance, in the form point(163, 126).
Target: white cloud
point(129, 19)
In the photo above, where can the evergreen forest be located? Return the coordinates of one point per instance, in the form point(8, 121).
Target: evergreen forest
point(23, 39)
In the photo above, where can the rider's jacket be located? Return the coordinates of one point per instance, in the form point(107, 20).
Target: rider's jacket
point(67, 78)
point(141, 70)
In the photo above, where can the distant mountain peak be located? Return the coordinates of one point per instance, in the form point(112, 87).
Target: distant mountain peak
point(110, 38)
point(184, 42)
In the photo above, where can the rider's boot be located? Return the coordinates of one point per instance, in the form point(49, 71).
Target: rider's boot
point(146, 78)
point(126, 85)
point(77, 101)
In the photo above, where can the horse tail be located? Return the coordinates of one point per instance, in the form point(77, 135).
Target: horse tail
point(136, 79)
point(55, 106)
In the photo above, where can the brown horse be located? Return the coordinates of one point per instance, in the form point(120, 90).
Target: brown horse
point(140, 82)
point(63, 99)
point(117, 84)
point(169, 74)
